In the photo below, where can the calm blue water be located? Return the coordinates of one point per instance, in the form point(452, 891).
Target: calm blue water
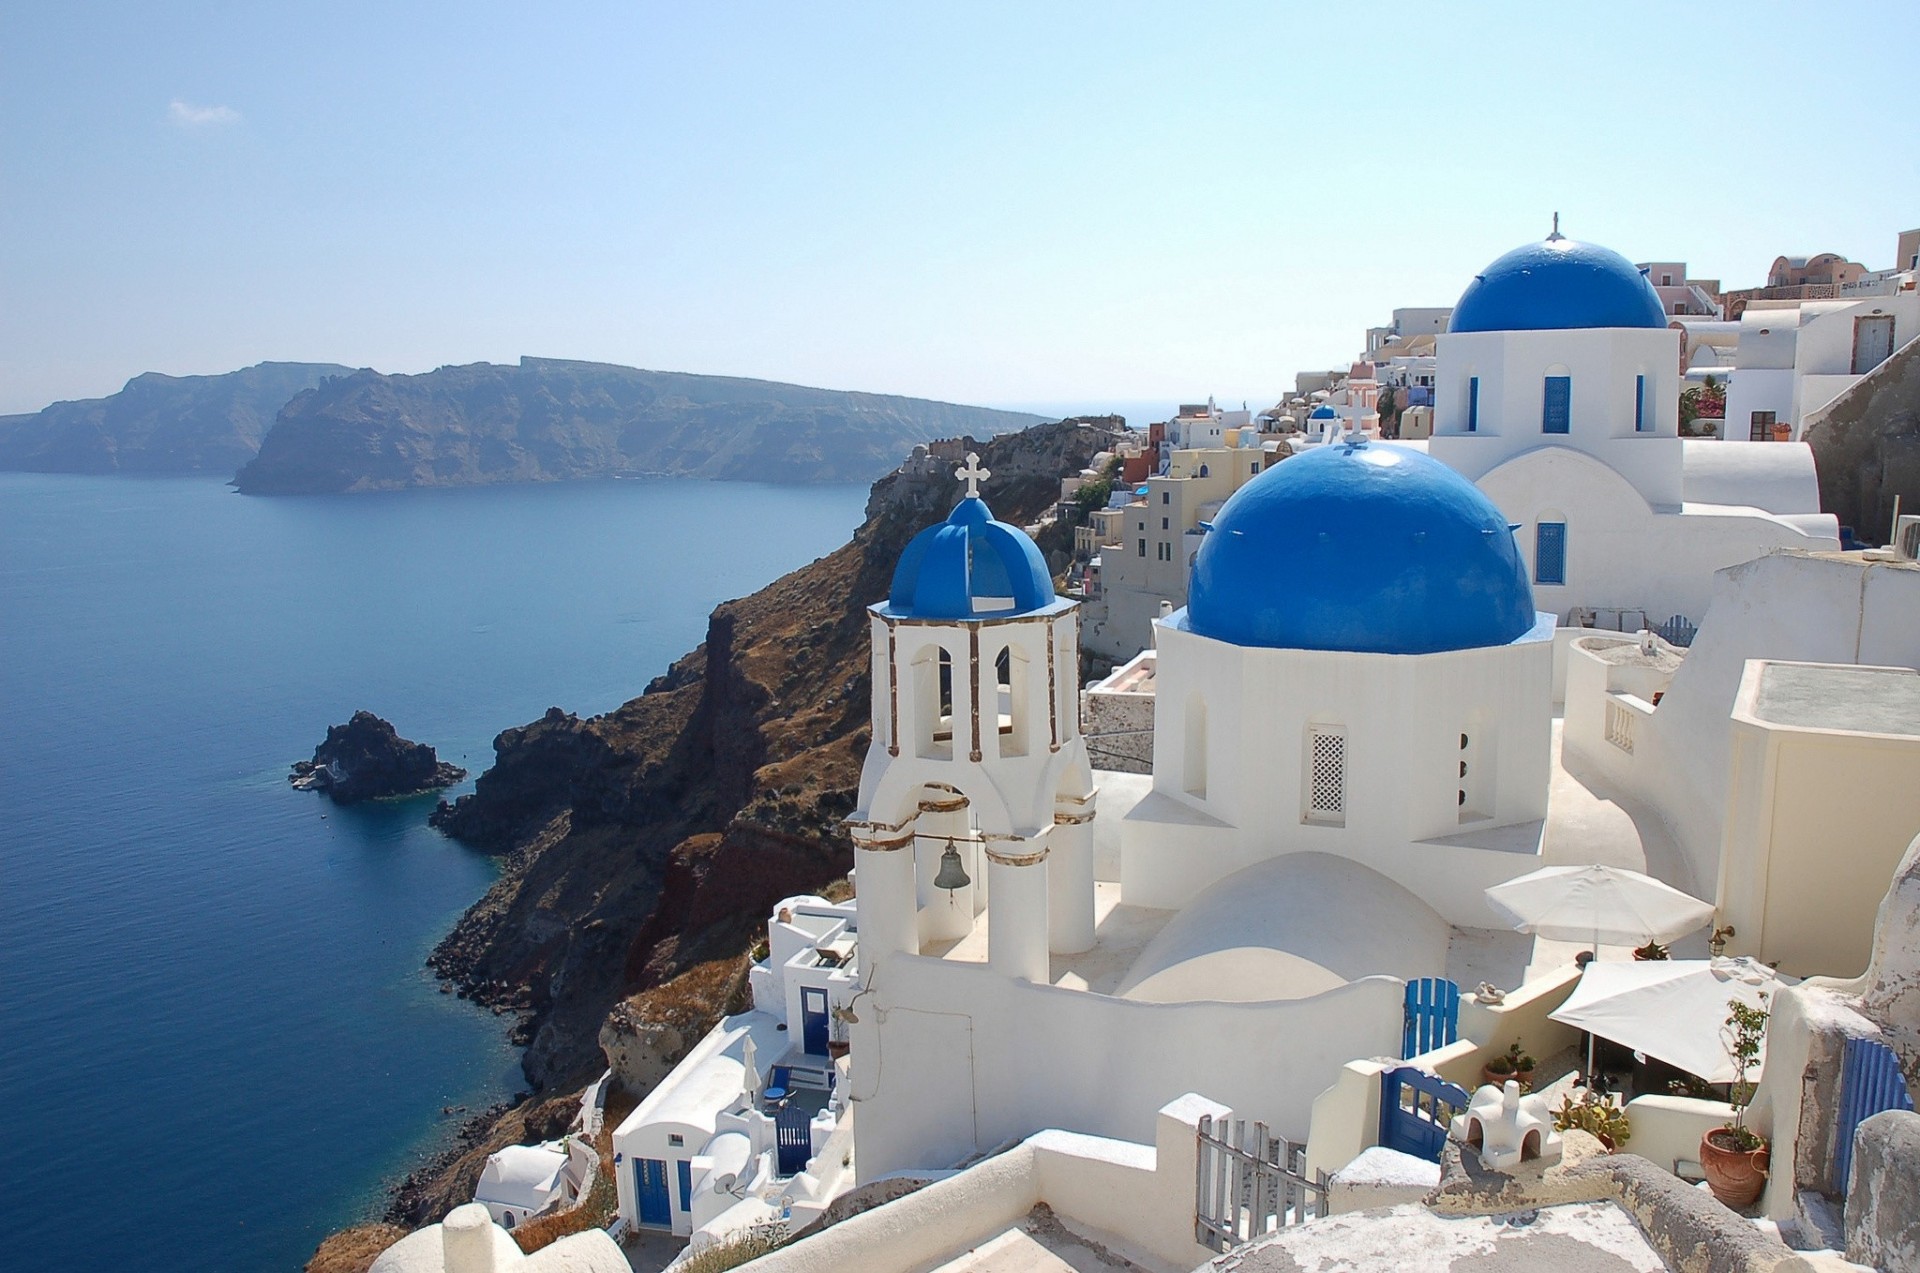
point(215, 1027)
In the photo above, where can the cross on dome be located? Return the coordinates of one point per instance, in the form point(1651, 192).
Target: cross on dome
point(1556, 235)
point(973, 475)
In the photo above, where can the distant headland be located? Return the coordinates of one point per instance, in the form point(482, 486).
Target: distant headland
point(322, 428)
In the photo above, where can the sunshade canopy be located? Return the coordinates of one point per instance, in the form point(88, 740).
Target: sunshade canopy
point(1598, 904)
point(1675, 1010)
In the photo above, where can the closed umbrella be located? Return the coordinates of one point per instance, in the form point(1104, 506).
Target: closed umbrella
point(1670, 1009)
point(1597, 903)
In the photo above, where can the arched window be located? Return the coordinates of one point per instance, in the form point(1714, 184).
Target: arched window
point(1012, 688)
point(506, 1219)
point(1193, 765)
point(933, 703)
point(1556, 406)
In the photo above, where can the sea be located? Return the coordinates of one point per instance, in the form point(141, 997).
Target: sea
point(218, 1038)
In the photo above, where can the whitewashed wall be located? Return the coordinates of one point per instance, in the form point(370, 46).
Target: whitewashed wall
point(950, 1059)
point(1403, 716)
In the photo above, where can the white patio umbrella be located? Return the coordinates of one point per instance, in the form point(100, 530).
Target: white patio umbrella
point(750, 1062)
point(1597, 903)
point(1670, 1009)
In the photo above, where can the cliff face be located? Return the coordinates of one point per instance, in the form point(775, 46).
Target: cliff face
point(1866, 447)
point(160, 424)
point(548, 420)
point(650, 842)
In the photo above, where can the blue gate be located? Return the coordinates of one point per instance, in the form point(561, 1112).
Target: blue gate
point(1432, 1017)
point(650, 1187)
point(1870, 1083)
point(1415, 1110)
point(793, 1133)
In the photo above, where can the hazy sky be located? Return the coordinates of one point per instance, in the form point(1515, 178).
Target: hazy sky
point(1036, 202)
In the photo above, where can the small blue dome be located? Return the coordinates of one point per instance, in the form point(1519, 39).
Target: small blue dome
point(1557, 284)
point(1321, 412)
point(970, 567)
point(1374, 549)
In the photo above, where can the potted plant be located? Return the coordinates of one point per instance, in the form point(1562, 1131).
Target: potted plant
point(1652, 951)
point(1734, 1156)
point(1511, 1064)
point(1596, 1115)
point(837, 1042)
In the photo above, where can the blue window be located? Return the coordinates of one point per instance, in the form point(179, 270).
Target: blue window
point(1473, 404)
point(1556, 413)
point(1550, 552)
point(1640, 422)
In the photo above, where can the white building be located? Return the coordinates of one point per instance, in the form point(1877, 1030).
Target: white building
point(1557, 394)
point(1792, 358)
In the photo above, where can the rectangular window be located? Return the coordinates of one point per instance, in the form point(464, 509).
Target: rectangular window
point(1760, 426)
point(1473, 404)
point(1326, 774)
point(1163, 523)
point(1550, 553)
point(1640, 422)
point(1166, 497)
point(1556, 411)
point(1143, 548)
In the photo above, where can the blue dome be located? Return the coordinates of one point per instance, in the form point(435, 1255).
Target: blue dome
point(1321, 412)
point(1557, 284)
point(1375, 549)
point(969, 567)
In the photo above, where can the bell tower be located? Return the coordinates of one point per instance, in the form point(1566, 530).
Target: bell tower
point(976, 793)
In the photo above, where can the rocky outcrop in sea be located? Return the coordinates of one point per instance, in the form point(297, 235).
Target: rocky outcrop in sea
point(366, 759)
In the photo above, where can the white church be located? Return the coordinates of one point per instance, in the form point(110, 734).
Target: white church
point(1557, 392)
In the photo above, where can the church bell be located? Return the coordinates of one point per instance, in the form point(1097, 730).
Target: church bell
point(952, 875)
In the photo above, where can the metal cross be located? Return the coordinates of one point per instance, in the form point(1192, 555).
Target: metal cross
point(973, 475)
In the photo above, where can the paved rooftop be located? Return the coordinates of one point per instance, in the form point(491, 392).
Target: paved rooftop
point(1867, 700)
point(1593, 1237)
point(1039, 1243)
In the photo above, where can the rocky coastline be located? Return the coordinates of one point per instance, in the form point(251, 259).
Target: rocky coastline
point(641, 849)
point(366, 759)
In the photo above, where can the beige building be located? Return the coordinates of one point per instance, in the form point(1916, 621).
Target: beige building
point(1155, 540)
point(1821, 804)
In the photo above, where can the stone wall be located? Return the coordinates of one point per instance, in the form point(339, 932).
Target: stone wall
point(1866, 446)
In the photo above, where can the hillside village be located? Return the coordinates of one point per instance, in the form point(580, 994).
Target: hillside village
point(1461, 812)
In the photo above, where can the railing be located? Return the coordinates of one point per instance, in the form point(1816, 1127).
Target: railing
point(1250, 1183)
point(1620, 726)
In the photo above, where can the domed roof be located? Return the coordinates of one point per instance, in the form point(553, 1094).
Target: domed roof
point(1374, 549)
point(1321, 412)
point(969, 567)
point(1556, 284)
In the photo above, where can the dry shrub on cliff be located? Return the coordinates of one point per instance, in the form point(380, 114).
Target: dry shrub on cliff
point(698, 997)
point(731, 1253)
point(354, 1250)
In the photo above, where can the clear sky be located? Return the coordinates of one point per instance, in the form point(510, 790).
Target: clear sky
point(1025, 203)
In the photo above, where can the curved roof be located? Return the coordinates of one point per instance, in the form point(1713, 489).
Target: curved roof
point(1370, 549)
point(1559, 283)
point(521, 1176)
point(1291, 927)
point(970, 567)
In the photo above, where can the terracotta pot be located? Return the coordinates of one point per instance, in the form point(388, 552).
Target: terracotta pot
point(837, 1048)
point(1525, 1078)
point(1736, 1176)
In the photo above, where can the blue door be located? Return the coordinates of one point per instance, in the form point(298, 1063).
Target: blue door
point(686, 1184)
point(813, 1021)
point(1550, 552)
point(1870, 1083)
point(1556, 414)
point(650, 1186)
